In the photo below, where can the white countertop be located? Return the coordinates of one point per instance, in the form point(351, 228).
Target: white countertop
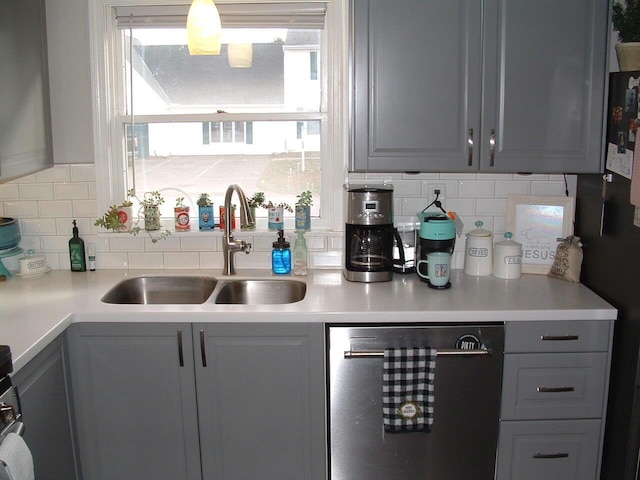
point(37, 309)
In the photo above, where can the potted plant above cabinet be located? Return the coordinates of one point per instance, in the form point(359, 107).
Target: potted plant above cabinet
point(626, 20)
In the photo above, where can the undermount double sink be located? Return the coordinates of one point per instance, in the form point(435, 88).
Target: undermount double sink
point(168, 290)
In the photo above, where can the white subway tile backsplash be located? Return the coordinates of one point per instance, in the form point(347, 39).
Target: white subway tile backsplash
point(39, 226)
point(9, 191)
point(82, 173)
point(85, 208)
point(55, 208)
point(547, 188)
point(486, 206)
point(476, 189)
point(141, 260)
point(36, 191)
point(71, 191)
point(127, 243)
point(181, 260)
point(46, 204)
point(59, 173)
point(21, 209)
point(504, 188)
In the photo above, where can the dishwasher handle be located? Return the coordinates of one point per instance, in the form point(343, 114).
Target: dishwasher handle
point(441, 353)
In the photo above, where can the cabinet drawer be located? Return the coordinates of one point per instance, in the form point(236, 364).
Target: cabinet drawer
point(569, 336)
point(550, 386)
point(552, 450)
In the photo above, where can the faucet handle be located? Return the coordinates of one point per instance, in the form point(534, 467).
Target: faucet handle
point(246, 247)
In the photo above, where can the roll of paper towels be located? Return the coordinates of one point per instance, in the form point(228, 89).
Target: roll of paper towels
point(16, 458)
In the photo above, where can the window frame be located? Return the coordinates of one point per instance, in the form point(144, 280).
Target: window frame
point(108, 121)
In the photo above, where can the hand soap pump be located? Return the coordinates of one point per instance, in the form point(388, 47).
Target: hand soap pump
point(300, 262)
point(76, 252)
point(281, 255)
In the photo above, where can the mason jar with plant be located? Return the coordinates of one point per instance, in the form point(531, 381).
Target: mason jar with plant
point(626, 20)
point(303, 210)
point(181, 216)
point(205, 212)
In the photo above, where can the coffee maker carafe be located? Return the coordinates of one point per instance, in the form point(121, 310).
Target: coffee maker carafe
point(369, 233)
point(437, 238)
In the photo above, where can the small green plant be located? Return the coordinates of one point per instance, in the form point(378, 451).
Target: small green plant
point(111, 220)
point(127, 203)
point(204, 200)
point(626, 20)
point(284, 205)
point(256, 200)
point(180, 202)
point(305, 199)
point(149, 200)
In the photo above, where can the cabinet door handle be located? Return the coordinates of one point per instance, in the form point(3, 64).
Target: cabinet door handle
point(470, 147)
point(202, 349)
point(558, 338)
point(180, 351)
point(551, 455)
point(555, 389)
point(492, 147)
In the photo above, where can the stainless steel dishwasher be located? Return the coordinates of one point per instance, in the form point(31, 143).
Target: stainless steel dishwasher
point(462, 442)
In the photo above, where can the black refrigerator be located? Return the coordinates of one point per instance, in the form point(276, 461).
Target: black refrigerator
point(611, 268)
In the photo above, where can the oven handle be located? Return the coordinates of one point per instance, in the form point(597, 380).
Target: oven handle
point(16, 427)
point(441, 353)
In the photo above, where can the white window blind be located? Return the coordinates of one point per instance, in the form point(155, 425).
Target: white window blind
point(294, 15)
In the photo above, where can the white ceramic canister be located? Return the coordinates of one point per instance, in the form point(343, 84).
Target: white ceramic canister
point(507, 258)
point(478, 255)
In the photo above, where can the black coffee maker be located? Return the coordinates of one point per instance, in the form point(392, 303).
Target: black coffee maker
point(369, 234)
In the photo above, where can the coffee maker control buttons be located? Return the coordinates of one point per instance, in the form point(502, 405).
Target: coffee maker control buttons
point(372, 215)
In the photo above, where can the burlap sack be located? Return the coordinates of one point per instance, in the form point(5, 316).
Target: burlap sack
point(568, 261)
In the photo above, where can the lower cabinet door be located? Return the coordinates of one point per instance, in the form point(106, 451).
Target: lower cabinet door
point(261, 401)
point(134, 400)
point(549, 450)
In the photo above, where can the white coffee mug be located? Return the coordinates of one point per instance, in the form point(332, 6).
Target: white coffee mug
point(438, 268)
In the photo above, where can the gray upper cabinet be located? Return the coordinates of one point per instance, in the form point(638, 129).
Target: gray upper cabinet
point(467, 86)
point(25, 119)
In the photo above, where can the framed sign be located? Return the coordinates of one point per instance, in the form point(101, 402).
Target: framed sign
point(538, 222)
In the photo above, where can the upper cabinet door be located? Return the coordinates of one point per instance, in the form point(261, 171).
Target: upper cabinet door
point(416, 85)
point(544, 85)
point(25, 120)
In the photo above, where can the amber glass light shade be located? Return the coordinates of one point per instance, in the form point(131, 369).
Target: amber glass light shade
point(203, 28)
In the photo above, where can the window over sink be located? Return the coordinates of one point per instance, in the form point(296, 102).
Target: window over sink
point(185, 125)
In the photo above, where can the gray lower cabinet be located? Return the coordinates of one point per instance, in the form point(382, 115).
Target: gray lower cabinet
point(555, 384)
point(471, 85)
point(240, 401)
point(42, 385)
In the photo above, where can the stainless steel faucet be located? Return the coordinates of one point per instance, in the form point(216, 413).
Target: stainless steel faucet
point(230, 245)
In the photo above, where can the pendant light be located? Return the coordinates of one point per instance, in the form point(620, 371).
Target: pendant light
point(240, 55)
point(203, 28)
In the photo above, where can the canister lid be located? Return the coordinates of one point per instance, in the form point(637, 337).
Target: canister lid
point(508, 242)
point(479, 231)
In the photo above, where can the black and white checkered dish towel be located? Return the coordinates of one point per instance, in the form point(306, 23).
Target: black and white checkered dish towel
point(407, 391)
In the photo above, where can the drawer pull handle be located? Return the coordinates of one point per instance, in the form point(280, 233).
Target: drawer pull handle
point(203, 352)
point(555, 389)
point(470, 147)
point(555, 338)
point(180, 350)
point(551, 455)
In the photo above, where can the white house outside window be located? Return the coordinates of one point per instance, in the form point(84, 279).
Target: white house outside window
point(200, 124)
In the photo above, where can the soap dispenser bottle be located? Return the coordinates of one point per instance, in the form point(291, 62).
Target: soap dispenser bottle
point(281, 255)
point(76, 252)
point(300, 262)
